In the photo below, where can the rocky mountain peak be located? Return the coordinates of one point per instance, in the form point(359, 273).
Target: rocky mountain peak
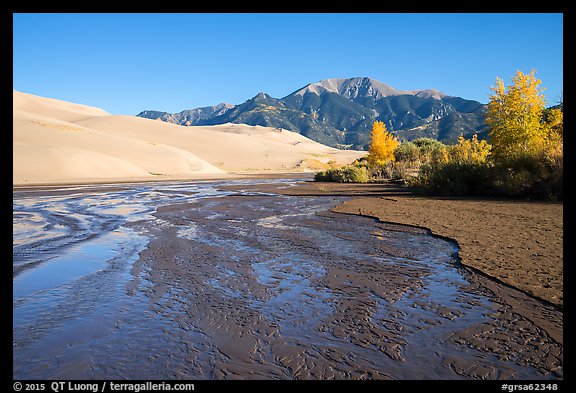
point(340, 112)
point(362, 87)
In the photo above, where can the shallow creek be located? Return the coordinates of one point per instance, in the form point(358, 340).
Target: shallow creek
point(193, 280)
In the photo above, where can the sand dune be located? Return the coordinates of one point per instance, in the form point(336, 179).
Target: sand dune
point(61, 142)
point(50, 107)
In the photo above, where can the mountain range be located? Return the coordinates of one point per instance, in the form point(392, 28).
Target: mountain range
point(339, 112)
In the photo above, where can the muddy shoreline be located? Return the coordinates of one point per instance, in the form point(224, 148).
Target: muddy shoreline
point(519, 243)
point(239, 282)
point(519, 331)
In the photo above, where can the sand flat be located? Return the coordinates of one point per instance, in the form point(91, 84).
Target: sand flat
point(519, 243)
point(215, 280)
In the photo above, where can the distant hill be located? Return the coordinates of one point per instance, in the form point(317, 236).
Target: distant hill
point(194, 116)
point(339, 112)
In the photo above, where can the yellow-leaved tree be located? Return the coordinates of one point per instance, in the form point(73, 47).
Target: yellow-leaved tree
point(554, 123)
point(382, 145)
point(469, 150)
point(514, 116)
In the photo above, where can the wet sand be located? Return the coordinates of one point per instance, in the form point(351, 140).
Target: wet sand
point(237, 282)
point(519, 243)
point(385, 319)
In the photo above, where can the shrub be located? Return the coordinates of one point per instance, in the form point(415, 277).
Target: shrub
point(535, 173)
point(428, 146)
point(469, 151)
point(459, 169)
point(410, 156)
point(430, 150)
point(327, 175)
point(453, 178)
point(407, 152)
point(347, 174)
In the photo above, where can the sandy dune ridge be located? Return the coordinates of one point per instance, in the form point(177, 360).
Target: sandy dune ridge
point(56, 141)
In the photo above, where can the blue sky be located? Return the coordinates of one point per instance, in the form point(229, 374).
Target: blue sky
point(126, 63)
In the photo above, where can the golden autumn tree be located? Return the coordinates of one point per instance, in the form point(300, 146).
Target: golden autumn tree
point(470, 150)
point(554, 123)
point(514, 116)
point(382, 145)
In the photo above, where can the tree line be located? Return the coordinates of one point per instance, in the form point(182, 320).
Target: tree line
point(523, 156)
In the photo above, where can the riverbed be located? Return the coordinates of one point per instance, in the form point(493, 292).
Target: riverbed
point(215, 280)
